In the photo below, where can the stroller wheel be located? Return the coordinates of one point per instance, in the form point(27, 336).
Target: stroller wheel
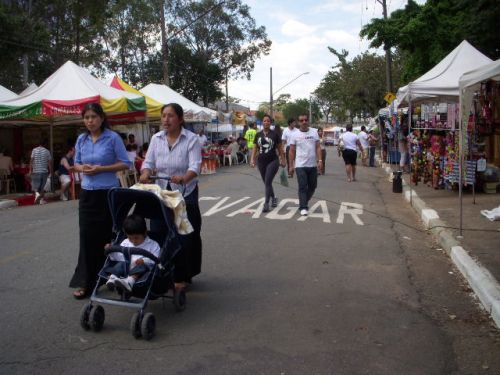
point(148, 326)
point(84, 316)
point(135, 325)
point(180, 300)
point(96, 318)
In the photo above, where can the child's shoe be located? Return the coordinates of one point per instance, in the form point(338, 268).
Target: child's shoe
point(125, 283)
point(111, 282)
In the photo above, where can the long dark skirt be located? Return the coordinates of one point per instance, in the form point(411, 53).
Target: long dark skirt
point(95, 232)
point(188, 260)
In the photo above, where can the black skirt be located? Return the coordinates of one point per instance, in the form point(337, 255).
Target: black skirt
point(188, 260)
point(96, 227)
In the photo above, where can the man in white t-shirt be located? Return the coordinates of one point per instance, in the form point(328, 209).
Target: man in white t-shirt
point(285, 137)
point(202, 138)
point(363, 139)
point(305, 157)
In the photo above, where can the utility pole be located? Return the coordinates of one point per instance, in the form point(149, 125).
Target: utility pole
point(310, 110)
point(271, 92)
point(164, 45)
point(25, 56)
point(388, 58)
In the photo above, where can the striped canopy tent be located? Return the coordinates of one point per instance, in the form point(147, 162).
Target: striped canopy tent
point(61, 98)
point(192, 111)
point(153, 107)
point(6, 94)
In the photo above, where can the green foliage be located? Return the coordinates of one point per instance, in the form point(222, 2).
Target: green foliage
point(208, 41)
point(357, 86)
point(299, 107)
point(424, 34)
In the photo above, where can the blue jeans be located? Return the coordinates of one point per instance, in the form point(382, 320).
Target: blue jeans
point(307, 178)
point(372, 156)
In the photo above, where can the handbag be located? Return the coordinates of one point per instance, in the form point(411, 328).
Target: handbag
point(341, 145)
point(283, 177)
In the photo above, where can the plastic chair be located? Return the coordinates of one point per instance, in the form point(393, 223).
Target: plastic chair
point(228, 156)
point(7, 181)
point(234, 154)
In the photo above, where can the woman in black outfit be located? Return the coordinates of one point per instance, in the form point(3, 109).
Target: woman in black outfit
point(268, 146)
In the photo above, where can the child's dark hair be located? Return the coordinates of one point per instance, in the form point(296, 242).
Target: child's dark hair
point(134, 224)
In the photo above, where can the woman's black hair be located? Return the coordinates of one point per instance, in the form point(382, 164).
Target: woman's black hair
point(135, 224)
point(348, 127)
point(266, 115)
point(177, 109)
point(96, 107)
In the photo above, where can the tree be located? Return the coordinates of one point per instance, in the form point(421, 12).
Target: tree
point(424, 34)
point(299, 107)
point(227, 35)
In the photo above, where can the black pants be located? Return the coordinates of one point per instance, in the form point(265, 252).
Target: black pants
point(268, 170)
point(307, 178)
point(95, 231)
point(188, 260)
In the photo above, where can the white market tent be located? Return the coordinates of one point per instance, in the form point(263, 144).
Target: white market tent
point(165, 95)
point(61, 97)
point(6, 94)
point(31, 87)
point(441, 82)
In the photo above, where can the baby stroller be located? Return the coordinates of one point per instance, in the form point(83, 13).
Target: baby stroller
point(154, 284)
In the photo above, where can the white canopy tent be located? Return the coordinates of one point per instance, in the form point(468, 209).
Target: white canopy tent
point(469, 83)
point(6, 94)
point(441, 82)
point(165, 95)
point(31, 87)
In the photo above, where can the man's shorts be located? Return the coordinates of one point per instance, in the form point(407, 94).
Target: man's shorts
point(349, 156)
point(38, 181)
point(64, 179)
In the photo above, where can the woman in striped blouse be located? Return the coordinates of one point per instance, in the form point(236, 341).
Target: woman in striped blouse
point(176, 152)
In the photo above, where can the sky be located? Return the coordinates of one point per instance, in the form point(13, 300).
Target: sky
point(301, 31)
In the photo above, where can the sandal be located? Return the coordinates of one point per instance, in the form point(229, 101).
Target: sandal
point(80, 293)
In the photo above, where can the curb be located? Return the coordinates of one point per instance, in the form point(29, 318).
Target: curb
point(482, 282)
point(7, 203)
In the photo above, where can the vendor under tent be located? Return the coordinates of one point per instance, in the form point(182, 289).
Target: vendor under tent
point(165, 95)
point(60, 100)
point(6, 94)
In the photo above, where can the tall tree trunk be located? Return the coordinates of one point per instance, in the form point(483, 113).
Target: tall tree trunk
point(164, 46)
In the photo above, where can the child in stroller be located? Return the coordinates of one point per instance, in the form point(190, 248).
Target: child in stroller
point(136, 230)
point(154, 279)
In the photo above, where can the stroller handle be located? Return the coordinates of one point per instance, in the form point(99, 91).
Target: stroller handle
point(168, 179)
point(131, 251)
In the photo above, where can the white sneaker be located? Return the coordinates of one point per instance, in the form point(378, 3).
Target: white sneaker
point(111, 282)
point(37, 197)
point(125, 283)
point(64, 197)
point(43, 201)
point(303, 212)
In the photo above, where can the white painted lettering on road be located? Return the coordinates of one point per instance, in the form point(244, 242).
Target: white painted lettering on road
point(219, 205)
point(275, 214)
point(258, 204)
point(323, 214)
point(209, 198)
point(353, 209)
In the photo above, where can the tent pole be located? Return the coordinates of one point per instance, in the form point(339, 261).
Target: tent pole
point(460, 157)
point(409, 131)
point(51, 136)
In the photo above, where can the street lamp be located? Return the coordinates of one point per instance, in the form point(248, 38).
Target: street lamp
point(281, 88)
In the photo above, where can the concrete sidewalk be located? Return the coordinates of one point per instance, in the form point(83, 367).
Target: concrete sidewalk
point(477, 253)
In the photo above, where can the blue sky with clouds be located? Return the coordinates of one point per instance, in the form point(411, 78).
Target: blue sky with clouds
point(301, 31)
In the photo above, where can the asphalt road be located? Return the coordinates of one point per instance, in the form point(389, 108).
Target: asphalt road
point(358, 287)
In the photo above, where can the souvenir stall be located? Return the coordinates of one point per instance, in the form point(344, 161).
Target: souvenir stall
point(480, 116)
point(433, 119)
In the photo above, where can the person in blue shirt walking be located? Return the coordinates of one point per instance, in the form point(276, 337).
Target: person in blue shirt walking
point(100, 153)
